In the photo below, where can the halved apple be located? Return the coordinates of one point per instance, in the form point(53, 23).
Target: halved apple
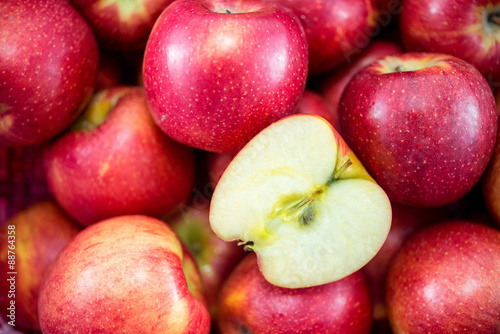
point(298, 196)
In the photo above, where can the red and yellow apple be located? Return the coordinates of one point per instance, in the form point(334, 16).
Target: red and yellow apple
point(116, 161)
point(124, 274)
point(30, 241)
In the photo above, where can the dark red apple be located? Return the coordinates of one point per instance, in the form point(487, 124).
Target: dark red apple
point(334, 84)
point(49, 63)
point(216, 73)
point(117, 161)
point(121, 25)
point(467, 29)
point(250, 304)
point(125, 274)
point(446, 279)
point(335, 29)
point(30, 241)
point(423, 124)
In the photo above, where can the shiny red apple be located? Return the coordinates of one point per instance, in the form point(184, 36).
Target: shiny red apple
point(216, 73)
point(116, 161)
point(446, 279)
point(48, 65)
point(423, 124)
point(125, 274)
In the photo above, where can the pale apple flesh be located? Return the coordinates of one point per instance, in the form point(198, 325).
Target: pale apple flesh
point(299, 198)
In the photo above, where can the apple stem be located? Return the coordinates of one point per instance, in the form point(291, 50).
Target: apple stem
point(247, 246)
point(228, 11)
point(494, 18)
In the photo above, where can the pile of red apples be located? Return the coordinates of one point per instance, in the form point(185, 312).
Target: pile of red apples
point(250, 166)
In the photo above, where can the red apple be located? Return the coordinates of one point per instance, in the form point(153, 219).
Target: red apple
point(215, 257)
point(406, 221)
point(250, 304)
point(314, 104)
point(121, 25)
point(335, 29)
point(118, 161)
point(334, 84)
point(468, 30)
point(49, 64)
point(30, 242)
point(124, 274)
point(446, 279)
point(216, 73)
point(423, 124)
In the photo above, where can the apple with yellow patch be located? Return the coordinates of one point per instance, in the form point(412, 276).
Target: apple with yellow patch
point(121, 25)
point(118, 162)
point(298, 196)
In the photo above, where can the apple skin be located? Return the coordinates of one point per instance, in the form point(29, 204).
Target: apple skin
point(332, 87)
point(41, 231)
point(126, 165)
point(446, 279)
point(406, 220)
point(314, 104)
point(249, 304)
point(431, 26)
point(214, 257)
point(121, 25)
point(49, 65)
point(425, 135)
point(335, 29)
point(215, 79)
point(490, 183)
point(110, 72)
point(127, 273)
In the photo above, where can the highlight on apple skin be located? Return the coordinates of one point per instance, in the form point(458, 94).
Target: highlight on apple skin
point(217, 72)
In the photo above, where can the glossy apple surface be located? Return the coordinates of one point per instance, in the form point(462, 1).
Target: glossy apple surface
point(125, 274)
point(49, 63)
point(217, 72)
point(250, 304)
point(334, 84)
point(297, 195)
point(121, 25)
point(423, 124)
point(33, 237)
point(335, 29)
point(446, 279)
point(117, 161)
point(469, 30)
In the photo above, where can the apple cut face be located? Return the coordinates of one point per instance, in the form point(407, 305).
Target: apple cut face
point(299, 197)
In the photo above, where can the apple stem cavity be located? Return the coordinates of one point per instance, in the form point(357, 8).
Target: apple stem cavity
point(494, 18)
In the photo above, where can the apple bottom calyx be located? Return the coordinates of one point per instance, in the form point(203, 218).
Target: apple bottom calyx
point(299, 207)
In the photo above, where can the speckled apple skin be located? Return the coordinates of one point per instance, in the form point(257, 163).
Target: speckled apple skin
point(250, 304)
point(42, 231)
point(454, 28)
point(425, 136)
point(336, 30)
point(214, 80)
point(48, 60)
point(446, 279)
point(121, 275)
point(127, 165)
point(121, 25)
